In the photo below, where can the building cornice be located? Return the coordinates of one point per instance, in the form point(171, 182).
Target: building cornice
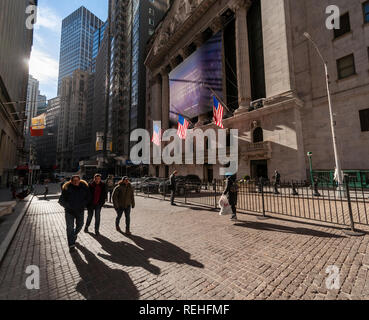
point(175, 25)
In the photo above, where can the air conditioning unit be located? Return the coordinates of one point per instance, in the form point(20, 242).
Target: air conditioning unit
point(257, 104)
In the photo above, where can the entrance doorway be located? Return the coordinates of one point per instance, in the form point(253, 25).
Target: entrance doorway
point(259, 168)
point(208, 173)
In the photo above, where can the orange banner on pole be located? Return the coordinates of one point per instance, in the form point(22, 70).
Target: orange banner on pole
point(39, 122)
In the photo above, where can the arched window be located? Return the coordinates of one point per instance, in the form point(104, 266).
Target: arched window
point(258, 135)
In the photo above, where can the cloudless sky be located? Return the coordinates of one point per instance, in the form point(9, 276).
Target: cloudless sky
point(44, 64)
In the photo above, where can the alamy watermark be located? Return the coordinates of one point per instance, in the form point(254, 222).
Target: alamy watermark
point(172, 153)
point(333, 280)
point(31, 20)
point(33, 280)
point(333, 20)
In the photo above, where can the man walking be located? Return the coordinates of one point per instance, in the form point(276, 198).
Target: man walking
point(110, 186)
point(277, 182)
point(46, 192)
point(74, 198)
point(98, 198)
point(231, 192)
point(124, 201)
point(172, 187)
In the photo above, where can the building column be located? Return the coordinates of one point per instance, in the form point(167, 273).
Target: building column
point(165, 99)
point(240, 7)
point(156, 113)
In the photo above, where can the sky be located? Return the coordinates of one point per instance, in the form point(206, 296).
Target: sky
point(44, 63)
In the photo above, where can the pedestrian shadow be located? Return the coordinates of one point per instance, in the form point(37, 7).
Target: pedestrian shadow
point(99, 282)
point(163, 250)
point(280, 228)
point(125, 254)
point(199, 207)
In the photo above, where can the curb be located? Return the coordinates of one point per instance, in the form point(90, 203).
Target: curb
point(13, 229)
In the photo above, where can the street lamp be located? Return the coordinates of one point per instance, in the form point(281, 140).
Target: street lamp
point(310, 154)
point(336, 157)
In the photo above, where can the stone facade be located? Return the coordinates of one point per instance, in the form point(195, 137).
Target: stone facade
point(74, 102)
point(15, 49)
point(294, 113)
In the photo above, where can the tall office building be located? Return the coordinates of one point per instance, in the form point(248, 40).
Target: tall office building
point(97, 42)
point(15, 50)
point(73, 119)
point(46, 145)
point(77, 42)
point(41, 104)
point(132, 24)
point(32, 101)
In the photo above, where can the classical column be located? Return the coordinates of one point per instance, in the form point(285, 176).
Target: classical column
point(165, 99)
point(240, 7)
point(156, 113)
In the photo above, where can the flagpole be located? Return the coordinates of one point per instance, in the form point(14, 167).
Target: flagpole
point(178, 114)
point(210, 88)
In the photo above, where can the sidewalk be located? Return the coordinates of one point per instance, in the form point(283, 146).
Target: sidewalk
point(183, 252)
point(10, 223)
point(5, 195)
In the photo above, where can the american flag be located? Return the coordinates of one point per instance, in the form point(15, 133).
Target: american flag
point(156, 137)
point(218, 111)
point(182, 127)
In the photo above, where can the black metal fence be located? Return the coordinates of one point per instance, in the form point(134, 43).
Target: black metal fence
point(345, 206)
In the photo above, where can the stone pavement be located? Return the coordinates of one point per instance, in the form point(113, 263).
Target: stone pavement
point(183, 253)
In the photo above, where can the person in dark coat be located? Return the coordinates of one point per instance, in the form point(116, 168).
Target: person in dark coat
point(231, 191)
point(124, 202)
point(277, 182)
point(172, 187)
point(74, 198)
point(98, 193)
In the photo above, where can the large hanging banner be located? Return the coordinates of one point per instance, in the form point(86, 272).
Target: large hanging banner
point(188, 97)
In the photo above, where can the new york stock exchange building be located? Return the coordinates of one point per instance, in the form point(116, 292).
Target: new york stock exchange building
point(253, 55)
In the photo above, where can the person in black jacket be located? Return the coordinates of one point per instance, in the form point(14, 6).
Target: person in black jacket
point(74, 198)
point(172, 187)
point(277, 182)
point(98, 193)
point(231, 192)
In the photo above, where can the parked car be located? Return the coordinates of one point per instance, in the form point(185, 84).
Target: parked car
point(184, 183)
point(151, 185)
point(137, 182)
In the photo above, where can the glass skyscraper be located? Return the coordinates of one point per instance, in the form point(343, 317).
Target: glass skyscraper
point(98, 38)
point(77, 42)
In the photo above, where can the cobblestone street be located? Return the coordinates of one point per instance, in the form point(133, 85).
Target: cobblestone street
point(182, 253)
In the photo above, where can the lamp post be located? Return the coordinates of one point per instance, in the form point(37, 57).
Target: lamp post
point(336, 157)
point(310, 154)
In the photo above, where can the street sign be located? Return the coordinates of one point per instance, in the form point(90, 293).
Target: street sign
point(309, 154)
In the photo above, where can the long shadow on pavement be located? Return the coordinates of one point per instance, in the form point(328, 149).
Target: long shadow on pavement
point(165, 251)
point(101, 282)
point(125, 254)
point(280, 228)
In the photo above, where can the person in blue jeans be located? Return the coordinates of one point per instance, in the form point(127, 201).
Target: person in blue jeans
point(124, 201)
point(98, 192)
point(74, 198)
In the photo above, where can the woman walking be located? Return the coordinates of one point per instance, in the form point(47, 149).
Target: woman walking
point(231, 192)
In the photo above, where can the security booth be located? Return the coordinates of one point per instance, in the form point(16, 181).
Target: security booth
point(357, 178)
